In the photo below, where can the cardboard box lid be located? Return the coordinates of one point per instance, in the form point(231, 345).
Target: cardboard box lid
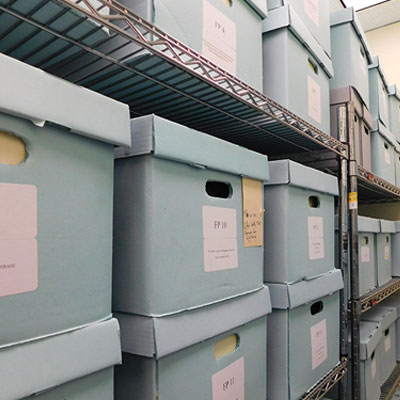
point(289, 296)
point(259, 6)
point(286, 17)
point(385, 316)
point(370, 335)
point(33, 94)
point(366, 224)
point(34, 366)
point(165, 139)
point(376, 65)
point(287, 172)
point(387, 226)
point(384, 132)
point(392, 90)
point(159, 336)
point(348, 15)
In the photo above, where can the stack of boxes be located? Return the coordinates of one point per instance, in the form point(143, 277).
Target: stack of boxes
point(56, 196)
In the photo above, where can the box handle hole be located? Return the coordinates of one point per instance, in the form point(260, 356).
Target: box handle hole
point(365, 240)
point(387, 239)
point(386, 146)
point(313, 202)
point(317, 307)
point(313, 66)
point(366, 131)
point(228, 3)
point(373, 355)
point(222, 190)
point(226, 346)
point(12, 149)
point(387, 332)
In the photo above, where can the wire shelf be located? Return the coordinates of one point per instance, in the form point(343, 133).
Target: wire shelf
point(376, 296)
point(389, 388)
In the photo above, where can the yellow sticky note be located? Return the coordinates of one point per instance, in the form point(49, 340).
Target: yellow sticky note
point(253, 212)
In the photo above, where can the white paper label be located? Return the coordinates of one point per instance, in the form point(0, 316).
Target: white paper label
point(388, 344)
point(387, 157)
point(228, 384)
point(365, 254)
point(385, 104)
point(363, 64)
point(18, 246)
point(219, 238)
point(373, 368)
point(311, 8)
point(387, 252)
point(316, 238)
point(314, 100)
point(219, 38)
point(319, 344)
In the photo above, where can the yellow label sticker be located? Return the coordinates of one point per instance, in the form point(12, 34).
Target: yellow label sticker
point(353, 200)
point(253, 212)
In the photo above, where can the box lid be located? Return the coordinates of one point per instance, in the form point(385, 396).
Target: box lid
point(385, 316)
point(37, 365)
point(397, 226)
point(33, 94)
point(165, 139)
point(348, 15)
point(286, 17)
point(370, 335)
point(387, 226)
point(292, 295)
point(394, 92)
point(376, 65)
point(159, 336)
point(366, 224)
point(384, 132)
point(287, 172)
point(259, 6)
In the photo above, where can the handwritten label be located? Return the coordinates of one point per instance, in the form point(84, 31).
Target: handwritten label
point(319, 344)
point(387, 252)
point(253, 212)
point(365, 254)
point(219, 238)
point(311, 8)
point(373, 368)
point(316, 238)
point(388, 344)
point(219, 38)
point(18, 245)
point(314, 100)
point(228, 384)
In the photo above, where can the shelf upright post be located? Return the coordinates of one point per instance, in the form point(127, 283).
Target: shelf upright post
point(354, 304)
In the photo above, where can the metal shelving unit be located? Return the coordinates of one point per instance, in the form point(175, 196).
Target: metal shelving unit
point(379, 294)
point(390, 387)
point(103, 46)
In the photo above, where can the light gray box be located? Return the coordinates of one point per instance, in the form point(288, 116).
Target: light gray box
point(397, 163)
point(296, 68)
point(167, 198)
point(378, 93)
point(45, 365)
point(394, 111)
point(315, 14)
point(298, 223)
point(350, 53)
point(383, 251)
point(396, 250)
point(303, 334)
point(386, 318)
point(56, 205)
point(394, 301)
point(177, 355)
point(382, 153)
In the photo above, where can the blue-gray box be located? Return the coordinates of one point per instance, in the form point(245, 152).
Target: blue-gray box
point(394, 111)
point(383, 251)
point(396, 250)
point(394, 301)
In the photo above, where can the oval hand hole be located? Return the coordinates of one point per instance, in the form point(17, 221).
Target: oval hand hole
point(226, 346)
point(387, 239)
point(317, 307)
point(221, 190)
point(386, 146)
point(387, 332)
point(12, 149)
point(228, 3)
point(373, 355)
point(364, 240)
point(313, 202)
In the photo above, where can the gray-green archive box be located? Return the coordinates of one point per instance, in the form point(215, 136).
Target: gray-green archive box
point(378, 93)
point(55, 205)
point(394, 301)
point(177, 356)
point(386, 318)
point(315, 14)
point(303, 334)
point(394, 111)
point(350, 53)
point(396, 250)
point(296, 68)
point(299, 222)
point(383, 251)
point(178, 219)
point(72, 365)
point(382, 153)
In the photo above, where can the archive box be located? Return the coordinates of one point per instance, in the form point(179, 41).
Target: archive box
point(61, 365)
point(304, 325)
point(384, 251)
point(378, 93)
point(383, 154)
point(396, 250)
point(367, 230)
point(394, 301)
point(350, 53)
point(394, 111)
point(397, 163)
point(296, 68)
point(56, 197)
point(386, 318)
point(315, 14)
point(299, 222)
point(186, 216)
point(362, 122)
point(212, 352)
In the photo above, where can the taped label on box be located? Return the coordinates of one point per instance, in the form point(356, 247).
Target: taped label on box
point(353, 200)
point(316, 248)
point(18, 244)
point(388, 344)
point(387, 157)
point(387, 252)
point(314, 99)
point(311, 8)
point(319, 344)
point(253, 212)
point(365, 254)
point(373, 368)
point(228, 384)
